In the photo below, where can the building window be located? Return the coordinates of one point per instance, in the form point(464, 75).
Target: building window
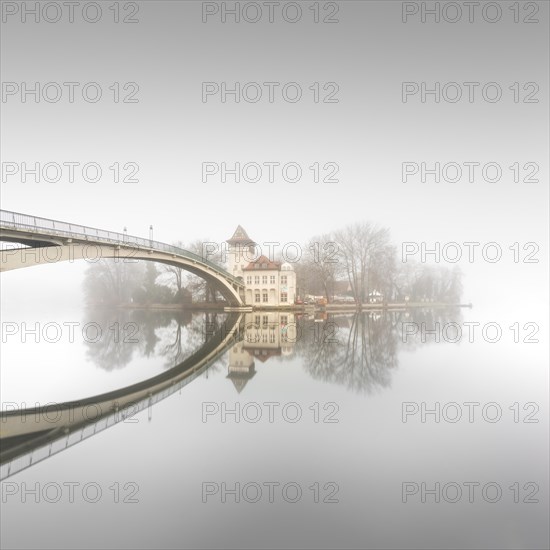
point(284, 297)
point(249, 280)
point(271, 337)
point(264, 338)
point(257, 279)
point(264, 279)
point(265, 320)
point(284, 319)
point(283, 279)
point(257, 320)
point(257, 297)
point(265, 297)
point(272, 279)
point(264, 266)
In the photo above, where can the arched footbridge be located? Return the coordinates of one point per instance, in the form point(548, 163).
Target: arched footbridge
point(48, 241)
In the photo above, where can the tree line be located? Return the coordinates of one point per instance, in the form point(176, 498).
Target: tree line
point(358, 261)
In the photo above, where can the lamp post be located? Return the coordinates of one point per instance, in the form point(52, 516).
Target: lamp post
point(151, 233)
point(125, 235)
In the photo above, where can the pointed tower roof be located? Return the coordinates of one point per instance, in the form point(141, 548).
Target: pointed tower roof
point(240, 237)
point(240, 379)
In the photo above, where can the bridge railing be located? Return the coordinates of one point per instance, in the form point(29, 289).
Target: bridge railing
point(16, 220)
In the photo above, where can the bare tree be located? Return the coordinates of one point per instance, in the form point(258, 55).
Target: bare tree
point(424, 282)
point(359, 246)
point(173, 275)
point(382, 272)
point(199, 287)
point(112, 281)
point(321, 264)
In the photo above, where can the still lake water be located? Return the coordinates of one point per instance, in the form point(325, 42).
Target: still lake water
point(305, 432)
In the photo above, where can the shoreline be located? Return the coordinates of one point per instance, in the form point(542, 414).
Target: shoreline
point(314, 308)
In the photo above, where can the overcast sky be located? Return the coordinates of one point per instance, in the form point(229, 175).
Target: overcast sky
point(368, 132)
point(153, 123)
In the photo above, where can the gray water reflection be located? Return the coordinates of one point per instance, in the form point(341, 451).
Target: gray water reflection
point(146, 333)
point(65, 424)
point(361, 363)
point(358, 350)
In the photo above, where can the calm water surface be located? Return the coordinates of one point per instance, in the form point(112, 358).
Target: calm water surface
point(356, 430)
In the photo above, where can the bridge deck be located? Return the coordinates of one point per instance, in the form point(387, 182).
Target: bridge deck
point(30, 226)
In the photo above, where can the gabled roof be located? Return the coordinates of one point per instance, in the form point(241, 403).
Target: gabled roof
point(240, 237)
point(264, 354)
point(240, 379)
point(263, 262)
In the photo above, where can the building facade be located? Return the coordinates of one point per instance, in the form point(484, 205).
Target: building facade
point(267, 334)
point(267, 283)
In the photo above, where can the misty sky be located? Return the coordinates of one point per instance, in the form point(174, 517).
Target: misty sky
point(169, 132)
point(154, 123)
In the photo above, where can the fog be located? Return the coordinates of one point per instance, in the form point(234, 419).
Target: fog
point(397, 125)
point(369, 133)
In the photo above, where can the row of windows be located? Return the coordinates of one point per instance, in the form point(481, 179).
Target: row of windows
point(284, 279)
point(265, 320)
point(264, 297)
point(255, 339)
point(263, 279)
point(256, 266)
point(272, 340)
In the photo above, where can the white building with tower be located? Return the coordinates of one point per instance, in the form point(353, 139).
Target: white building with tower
point(267, 283)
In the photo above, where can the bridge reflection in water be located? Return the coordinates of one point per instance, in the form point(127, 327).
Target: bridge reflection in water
point(358, 351)
point(31, 435)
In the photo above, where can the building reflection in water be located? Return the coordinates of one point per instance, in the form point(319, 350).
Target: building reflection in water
point(357, 350)
point(265, 335)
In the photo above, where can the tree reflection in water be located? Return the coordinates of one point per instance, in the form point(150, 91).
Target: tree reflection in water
point(358, 351)
point(124, 334)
